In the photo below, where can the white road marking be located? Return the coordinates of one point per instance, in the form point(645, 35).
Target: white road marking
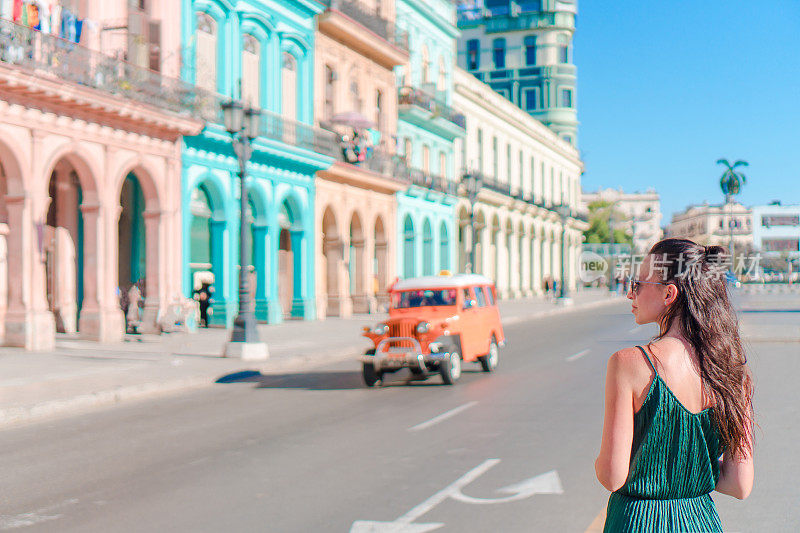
point(441, 417)
point(45, 514)
point(548, 483)
point(578, 355)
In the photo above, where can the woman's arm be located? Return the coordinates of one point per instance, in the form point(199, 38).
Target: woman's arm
point(736, 474)
point(613, 462)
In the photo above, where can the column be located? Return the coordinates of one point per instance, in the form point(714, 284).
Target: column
point(153, 274)
point(260, 263)
point(299, 300)
point(28, 322)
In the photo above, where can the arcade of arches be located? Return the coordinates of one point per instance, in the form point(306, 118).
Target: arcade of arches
point(83, 218)
point(531, 241)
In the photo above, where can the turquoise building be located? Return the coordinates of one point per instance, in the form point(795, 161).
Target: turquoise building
point(427, 128)
point(261, 51)
point(523, 50)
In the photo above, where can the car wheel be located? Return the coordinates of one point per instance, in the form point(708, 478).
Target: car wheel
point(450, 368)
point(371, 377)
point(490, 360)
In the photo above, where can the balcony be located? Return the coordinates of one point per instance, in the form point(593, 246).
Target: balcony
point(382, 40)
point(37, 65)
point(515, 16)
point(441, 184)
point(493, 185)
point(377, 160)
point(420, 108)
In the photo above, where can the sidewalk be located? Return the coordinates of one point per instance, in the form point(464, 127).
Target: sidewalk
point(79, 375)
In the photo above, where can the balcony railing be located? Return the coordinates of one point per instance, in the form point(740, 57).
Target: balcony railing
point(377, 160)
point(436, 183)
point(418, 97)
point(278, 128)
point(49, 56)
point(494, 185)
point(371, 19)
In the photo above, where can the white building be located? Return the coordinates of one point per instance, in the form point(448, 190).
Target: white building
point(641, 214)
point(715, 225)
point(527, 170)
point(776, 228)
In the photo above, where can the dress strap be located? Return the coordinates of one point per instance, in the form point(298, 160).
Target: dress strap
point(648, 359)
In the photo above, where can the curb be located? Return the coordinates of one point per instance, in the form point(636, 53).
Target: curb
point(16, 416)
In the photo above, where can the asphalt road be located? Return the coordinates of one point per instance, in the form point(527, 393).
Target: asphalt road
point(316, 451)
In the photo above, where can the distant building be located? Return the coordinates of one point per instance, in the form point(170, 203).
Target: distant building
point(523, 50)
point(714, 224)
point(641, 210)
point(776, 228)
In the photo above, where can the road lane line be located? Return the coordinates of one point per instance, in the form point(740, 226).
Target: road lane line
point(441, 417)
point(578, 355)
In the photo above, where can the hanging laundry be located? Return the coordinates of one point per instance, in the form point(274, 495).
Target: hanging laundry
point(17, 10)
point(6, 9)
point(55, 19)
point(24, 18)
point(78, 29)
point(33, 16)
point(44, 18)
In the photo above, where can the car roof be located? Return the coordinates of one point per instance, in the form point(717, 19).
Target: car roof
point(442, 282)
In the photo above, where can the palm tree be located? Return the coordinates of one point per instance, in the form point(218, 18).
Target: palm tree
point(731, 183)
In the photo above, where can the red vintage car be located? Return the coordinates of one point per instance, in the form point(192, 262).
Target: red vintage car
point(435, 324)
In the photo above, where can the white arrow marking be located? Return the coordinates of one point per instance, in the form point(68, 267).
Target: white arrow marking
point(441, 417)
point(577, 355)
point(547, 483)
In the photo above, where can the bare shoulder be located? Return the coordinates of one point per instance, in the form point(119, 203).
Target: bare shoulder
point(627, 362)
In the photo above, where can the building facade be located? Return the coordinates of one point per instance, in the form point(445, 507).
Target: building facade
point(357, 49)
point(527, 172)
point(263, 52)
point(427, 127)
point(776, 228)
point(714, 225)
point(523, 50)
point(641, 214)
point(89, 173)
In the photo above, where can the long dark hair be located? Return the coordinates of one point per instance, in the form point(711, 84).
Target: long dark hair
point(708, 321)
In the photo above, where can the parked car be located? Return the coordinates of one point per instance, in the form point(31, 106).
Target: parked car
point(435, 324)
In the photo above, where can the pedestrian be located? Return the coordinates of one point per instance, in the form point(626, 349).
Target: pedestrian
point(204, 302)
point(678, 411)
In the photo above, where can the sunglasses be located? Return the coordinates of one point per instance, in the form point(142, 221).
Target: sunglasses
point(635, 284)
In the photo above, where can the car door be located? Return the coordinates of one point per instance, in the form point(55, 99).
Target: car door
point(467, 322)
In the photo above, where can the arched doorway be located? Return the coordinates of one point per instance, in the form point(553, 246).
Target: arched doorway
point(332, 264)
point(444, 247)
point(409, 248)
point(64, 253)
point(494, 250)
point(512, 259)
point(427, 248)
point(290, 259)
point(357, 266)
point(206, 256)
point(131, 258)
point(256, 260)
point(464, 239)
point(380, 265)
point(480, 243)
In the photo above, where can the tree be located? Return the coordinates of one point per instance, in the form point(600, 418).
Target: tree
point(731, 184)
point(604, 222)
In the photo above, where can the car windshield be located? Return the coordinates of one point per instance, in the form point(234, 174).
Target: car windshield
point(423, 298)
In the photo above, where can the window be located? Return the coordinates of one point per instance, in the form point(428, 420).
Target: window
point(426, 158)
point(423, 298)
point(441, 83)
point(442, 164)
point(289, 81)
point(530, 50)
point(355, 94)
point(473, 54)
point(206, 53)
point(251, 71)
point(330, 92)
point(480, 150)
point(480, 297)
point(563, 49)
point(466, 294)
point(531, 99)
point(407, 150)
point(568, 138)
point(499, 53)
point(379, 110)
point(566, 97)
point(426, 65)
point(489, 295)
point(508, 162)
point(495, 158)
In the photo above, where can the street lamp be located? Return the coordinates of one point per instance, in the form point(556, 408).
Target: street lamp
point(473, 181)
point(242, 123)
point(564, 211)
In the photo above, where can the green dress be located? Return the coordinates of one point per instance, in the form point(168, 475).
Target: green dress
point(673, 469)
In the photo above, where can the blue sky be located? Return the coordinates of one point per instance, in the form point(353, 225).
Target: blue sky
point(667, 88)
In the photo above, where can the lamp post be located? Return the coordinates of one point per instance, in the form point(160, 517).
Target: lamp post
point(242, 123)
point(564, 211)
point(473, 182)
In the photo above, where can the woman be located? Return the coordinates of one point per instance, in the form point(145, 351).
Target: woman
point(676, 405)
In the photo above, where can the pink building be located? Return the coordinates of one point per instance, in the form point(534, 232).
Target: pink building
point(357, 48)
point(90, 169)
